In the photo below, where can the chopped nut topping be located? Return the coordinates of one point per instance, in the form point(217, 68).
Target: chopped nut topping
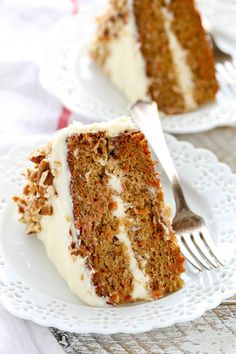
point(33, 228)
point(34, 202)
point(43, 166)
point(51, 192)
point(54, 172)
point(57, 163)
point(109, 26)
point(46, 178)
point(37, 158)
point(46, 210)
point(68, 218)
point(33, 176)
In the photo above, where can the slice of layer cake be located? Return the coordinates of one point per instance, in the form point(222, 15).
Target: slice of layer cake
point(157, 49)
point(95, 200)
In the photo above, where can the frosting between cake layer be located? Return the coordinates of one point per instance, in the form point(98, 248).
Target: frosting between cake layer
point(125, 65)
point(140, 279)
point(179, 56)
point(55, 230)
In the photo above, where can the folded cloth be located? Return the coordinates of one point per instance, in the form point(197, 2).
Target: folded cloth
point(26, 109)
point(25, 337)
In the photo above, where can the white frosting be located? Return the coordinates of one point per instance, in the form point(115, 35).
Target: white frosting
point(112, 128)
point(125, 65)
point(56, 228)
point(119, 212)
point(55, 232)
point(179, 56)
point(115, 183)
point(140, 279)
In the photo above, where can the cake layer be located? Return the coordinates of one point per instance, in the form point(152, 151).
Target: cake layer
point(120, 217)
point(157, 49)
point(105, 226)
point(187, 27)
point(149, 231)
point(71, 264)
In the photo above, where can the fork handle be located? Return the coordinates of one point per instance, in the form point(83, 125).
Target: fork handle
point(145, 115)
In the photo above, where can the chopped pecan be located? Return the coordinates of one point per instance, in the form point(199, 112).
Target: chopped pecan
point(43, 166)
point(33, 175)
point(19, 201)
point(26, 189)
point(50, 192)
point(33, 228)
point(21, 209)
point(39, 188)
point(46, 210)
point(46, 178)
point(40, 154)
point(54, 172)
point(49, 179)
point(40, 191)
point(37, 157)
point(33, 189)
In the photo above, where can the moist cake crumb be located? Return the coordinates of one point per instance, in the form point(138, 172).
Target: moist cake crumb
point(166, 52)
point(115, 243)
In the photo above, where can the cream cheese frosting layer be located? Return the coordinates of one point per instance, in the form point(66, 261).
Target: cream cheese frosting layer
point(125, 65)
point(140, 279)
point(112, 128)
point(179, 56)
point(55, 230)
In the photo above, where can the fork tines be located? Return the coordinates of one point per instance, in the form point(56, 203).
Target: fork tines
point(199, 250)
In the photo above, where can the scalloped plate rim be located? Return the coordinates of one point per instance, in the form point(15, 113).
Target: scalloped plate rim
point(205, 306)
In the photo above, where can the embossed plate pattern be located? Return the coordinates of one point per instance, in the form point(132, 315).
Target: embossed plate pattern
point(31, 288)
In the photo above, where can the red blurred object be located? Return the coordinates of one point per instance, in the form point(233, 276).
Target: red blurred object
point(64, 118)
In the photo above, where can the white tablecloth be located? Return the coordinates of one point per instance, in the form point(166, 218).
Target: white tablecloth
point(25, 337)
point(26, 109)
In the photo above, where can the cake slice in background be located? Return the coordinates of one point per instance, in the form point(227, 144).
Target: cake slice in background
point(95, 200)
point(157, 49)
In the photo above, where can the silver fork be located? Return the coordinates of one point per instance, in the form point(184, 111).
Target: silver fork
point(191, 230)
point(225, 67)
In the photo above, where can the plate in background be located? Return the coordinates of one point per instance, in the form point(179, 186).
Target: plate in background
point(68, 72)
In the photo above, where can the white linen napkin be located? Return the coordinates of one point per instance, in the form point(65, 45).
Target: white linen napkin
point(25, 337)
point(26, 109)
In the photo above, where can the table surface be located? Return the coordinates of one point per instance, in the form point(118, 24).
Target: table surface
point(214, 332)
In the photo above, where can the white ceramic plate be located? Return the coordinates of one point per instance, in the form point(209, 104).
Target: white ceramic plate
point(31, 288)
point(68, 72)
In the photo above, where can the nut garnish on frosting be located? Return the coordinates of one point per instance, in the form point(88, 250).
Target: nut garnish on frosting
point(34, 203)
